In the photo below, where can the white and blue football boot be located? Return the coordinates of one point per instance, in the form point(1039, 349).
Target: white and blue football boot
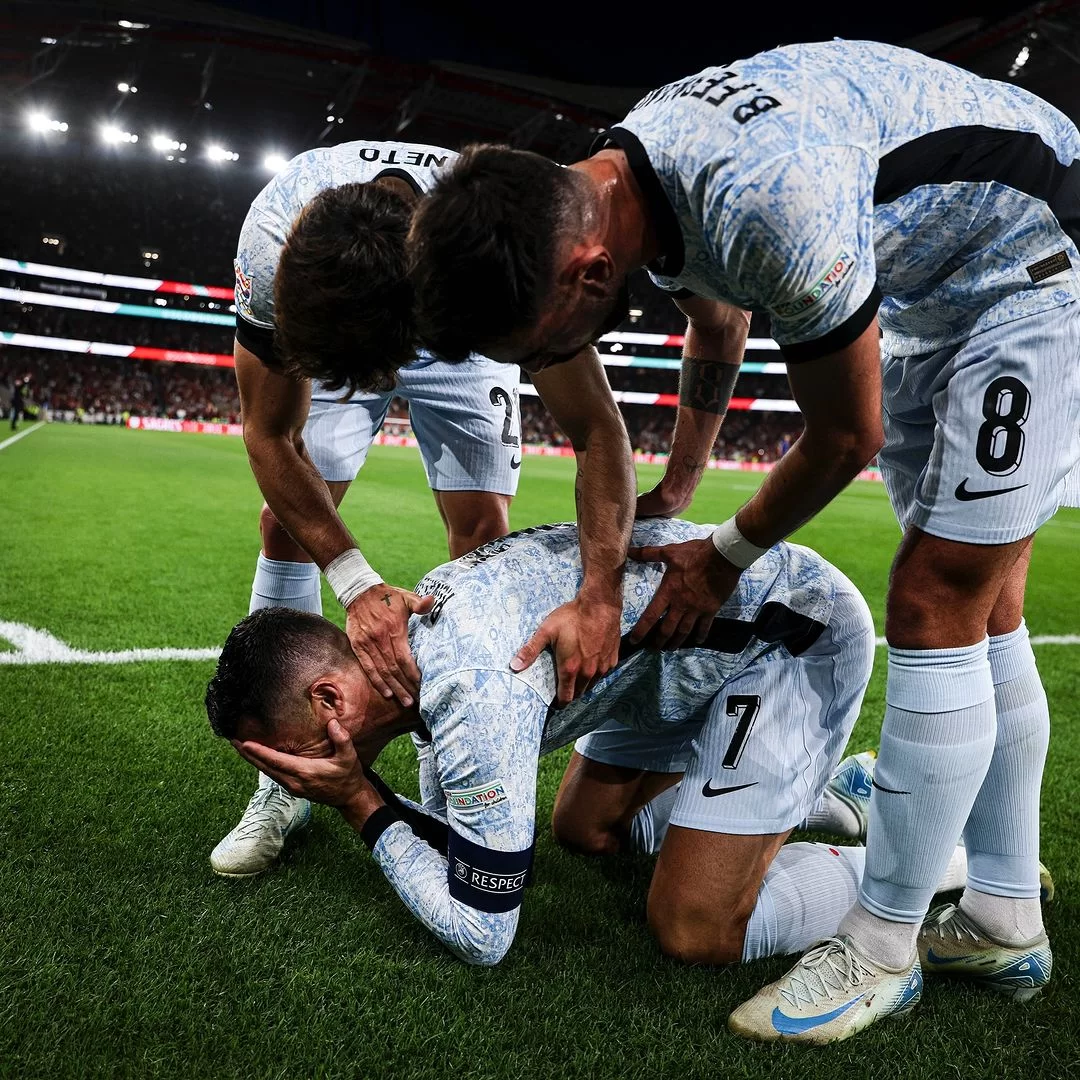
point(271, 817)
point(1046, 884)
point(833, 992)
point(953, 945)
point(844, 806)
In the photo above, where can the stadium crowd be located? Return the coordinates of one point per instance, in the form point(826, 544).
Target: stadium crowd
point(191, 227)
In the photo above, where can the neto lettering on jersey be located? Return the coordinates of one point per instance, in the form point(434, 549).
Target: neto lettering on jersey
point(715, 90)
point(413, 157)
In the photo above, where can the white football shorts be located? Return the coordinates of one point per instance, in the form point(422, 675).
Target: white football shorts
point(466, 418)
point(980, 437)
point(771, 738)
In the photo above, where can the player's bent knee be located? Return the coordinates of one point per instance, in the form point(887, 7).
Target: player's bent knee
point(692, 941)
point(693, 934)
point(489, 527)
point(582, 838)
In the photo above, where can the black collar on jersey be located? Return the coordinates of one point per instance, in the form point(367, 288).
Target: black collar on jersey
point(672, 249)
point(399, 174)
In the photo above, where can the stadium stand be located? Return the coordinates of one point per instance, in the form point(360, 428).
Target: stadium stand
point(101, 218)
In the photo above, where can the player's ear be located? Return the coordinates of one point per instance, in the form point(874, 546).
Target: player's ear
point(597, 271)
point(327, 700)
point(589, 266)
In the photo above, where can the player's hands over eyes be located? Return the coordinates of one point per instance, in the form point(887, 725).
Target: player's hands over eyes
point(336, 780)
point(377, 623)
point(585, 637)
point(696, 583)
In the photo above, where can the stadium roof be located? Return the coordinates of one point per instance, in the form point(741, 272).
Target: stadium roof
point(328, 71)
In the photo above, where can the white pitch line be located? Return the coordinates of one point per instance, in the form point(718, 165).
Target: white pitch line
point(40, 647)
point(1036, 639)
point(21, 435)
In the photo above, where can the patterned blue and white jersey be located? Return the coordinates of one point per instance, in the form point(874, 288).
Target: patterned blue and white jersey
point(815, 182)
point(277, 206)
point(489, 726)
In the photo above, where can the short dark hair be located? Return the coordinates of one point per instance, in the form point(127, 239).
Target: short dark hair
point(342, 295)
point(482, 247)
point(264, 657)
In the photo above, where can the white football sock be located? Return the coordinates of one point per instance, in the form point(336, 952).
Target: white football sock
point(955, 873)
point(807, 889)
point(1002, 831)
point(650, 823)
point(1009, 920)
point(936, 743)
point(286, 584)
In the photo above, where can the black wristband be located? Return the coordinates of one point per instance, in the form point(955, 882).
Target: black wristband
point(430, 829)
point(377, 824)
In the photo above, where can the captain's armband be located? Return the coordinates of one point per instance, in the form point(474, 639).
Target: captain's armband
point(486, 879)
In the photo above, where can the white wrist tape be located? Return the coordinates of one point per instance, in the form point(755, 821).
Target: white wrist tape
point(350, 575)
point(734, 546)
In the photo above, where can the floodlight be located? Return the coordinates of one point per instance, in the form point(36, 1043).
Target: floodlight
point(112, 134)
point(38, 121)
point(1022, 57)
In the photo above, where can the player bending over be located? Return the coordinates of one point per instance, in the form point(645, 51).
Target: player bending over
point(770, 699)
point(838, 187)
point(323, 341)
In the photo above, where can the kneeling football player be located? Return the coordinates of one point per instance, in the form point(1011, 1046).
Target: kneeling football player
point(769, 700)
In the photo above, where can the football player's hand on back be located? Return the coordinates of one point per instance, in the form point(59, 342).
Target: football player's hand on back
point(697, 580)
point(584, 635)
point(377, 623)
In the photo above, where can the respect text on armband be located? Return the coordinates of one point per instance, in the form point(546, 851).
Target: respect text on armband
point(716, 90)
point(484, 878)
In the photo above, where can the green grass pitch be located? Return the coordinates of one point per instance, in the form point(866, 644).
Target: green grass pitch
point(122, 955)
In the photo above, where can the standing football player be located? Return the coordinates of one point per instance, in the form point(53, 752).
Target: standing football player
point(912, 232)
point(324, 339)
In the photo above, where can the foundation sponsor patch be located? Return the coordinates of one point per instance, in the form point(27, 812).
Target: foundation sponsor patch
point(832, 277)
point(243, 290)
point(477, 798)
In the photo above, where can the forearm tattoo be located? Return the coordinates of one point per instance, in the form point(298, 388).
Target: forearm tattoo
point(693, 466)
point(706, 386)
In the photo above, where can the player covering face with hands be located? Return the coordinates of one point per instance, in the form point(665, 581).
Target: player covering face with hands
point(756, 719)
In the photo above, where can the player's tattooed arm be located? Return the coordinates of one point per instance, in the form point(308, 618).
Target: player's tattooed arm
point(275, 409)
point(712, 352)
point(706, 385)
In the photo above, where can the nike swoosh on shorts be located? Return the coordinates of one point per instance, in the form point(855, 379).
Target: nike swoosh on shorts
point(964, 495)
point(709, 792)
